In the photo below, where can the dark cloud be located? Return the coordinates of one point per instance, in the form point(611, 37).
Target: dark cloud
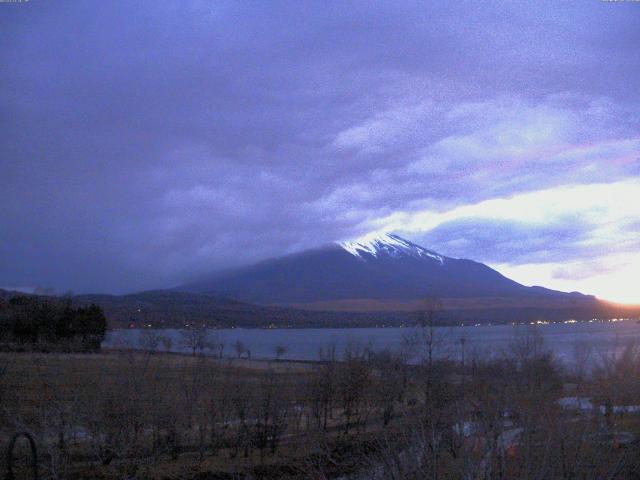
point(144, 143)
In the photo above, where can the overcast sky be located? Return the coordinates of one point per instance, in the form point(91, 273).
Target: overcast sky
point(143, 143)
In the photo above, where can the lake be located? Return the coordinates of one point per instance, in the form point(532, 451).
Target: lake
point(571, 343)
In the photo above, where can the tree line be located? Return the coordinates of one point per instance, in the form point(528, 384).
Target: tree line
point(50, 324)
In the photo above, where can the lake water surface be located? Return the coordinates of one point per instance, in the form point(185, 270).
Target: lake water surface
point(571, 343)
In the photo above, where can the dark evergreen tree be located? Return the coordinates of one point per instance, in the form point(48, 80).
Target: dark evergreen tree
point(26, 320)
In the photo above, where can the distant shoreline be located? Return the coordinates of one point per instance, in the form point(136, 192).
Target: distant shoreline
point(350, 327)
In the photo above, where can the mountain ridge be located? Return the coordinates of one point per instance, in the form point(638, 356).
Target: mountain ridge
point(385, 267)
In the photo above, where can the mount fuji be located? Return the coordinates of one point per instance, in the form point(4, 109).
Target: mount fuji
point(378, 273)
point(378, 280)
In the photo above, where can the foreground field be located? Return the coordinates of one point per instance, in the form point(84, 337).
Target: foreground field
point(124, 415)
point(138, 413)
point(145, 415)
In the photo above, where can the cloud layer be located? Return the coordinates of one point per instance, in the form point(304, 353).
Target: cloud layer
point(144, 144)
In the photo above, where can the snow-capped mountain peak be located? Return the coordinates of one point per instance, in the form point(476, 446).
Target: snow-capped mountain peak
point(387, 244)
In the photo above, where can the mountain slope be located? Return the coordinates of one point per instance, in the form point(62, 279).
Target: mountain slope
point(170, 308)
point(385, 268)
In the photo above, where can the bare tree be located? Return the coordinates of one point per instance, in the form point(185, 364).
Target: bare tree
point(149, 340)
point(195, 339)
point(354, 380)
point(390, 382)
point(427, 317)
point(240, 348)
point(217, 344)
point(321, 389)
point(167, 342)
point(280, 350)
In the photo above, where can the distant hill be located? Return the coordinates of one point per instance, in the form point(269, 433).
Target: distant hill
point(170, 308)
point(173, 309)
